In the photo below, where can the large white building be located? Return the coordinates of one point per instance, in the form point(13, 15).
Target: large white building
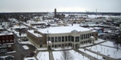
point(54, 37)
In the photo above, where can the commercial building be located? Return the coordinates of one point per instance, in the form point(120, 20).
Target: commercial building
point(69, 36)
point(6, 41)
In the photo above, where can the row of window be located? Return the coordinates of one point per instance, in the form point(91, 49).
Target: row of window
point(88, 41)
point(61, 45)
point(63, 39)
point(6, 37)
point(85, 36)
point(69, 44)
point(5, 41)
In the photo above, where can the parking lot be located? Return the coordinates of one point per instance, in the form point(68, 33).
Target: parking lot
point(20, 52)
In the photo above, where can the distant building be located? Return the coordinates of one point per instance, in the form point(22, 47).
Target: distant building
point(60, 16)
point(66, 36)
point(55, 13)
point(6, 41)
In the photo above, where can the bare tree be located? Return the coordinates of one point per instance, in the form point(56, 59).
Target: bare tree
point(66, 55)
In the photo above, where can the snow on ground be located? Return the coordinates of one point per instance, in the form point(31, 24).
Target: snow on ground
point(30, 58)
point(88, 44)
point(42, 48)
point(92, 54)
point(25, 47)
point(61, 48)
point(112, 52)
point(25, 42)
point(57, 55)
point(43, 56)
point(99, 40)
point(78, 56)
point(75, 55)
point(108, 43)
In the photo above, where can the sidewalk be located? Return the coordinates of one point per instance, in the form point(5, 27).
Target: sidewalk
point(51, 55)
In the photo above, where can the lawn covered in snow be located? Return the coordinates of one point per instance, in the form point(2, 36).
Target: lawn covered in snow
point(112, 52)
point(75, 55)
point(92, 54)
point(43, 56)
point(78, 56)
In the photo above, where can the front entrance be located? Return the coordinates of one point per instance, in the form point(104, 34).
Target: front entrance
point(49, 47)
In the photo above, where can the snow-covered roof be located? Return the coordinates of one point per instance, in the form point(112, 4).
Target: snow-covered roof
point(16, 26)
point(35, 34)
point(6, 33)
point(63, 29)
point(39, 23)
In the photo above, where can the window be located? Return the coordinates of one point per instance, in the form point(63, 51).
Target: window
point(6, 37)
point(65, 44)
point(52, 45)
point(11, 40)
point(59, 39)
point(11, 37)
point(6, 40)
point(62, 39)
point(40, 45)
point(69, 44)
point(48, 38)
point(3, 41)
point(87, 35)
point(55, 46)
point(81, 36)
point(59, 45)
point(3, 37)
point(55, 39)
point(72, 39)
point(77, 39)
point(66, 38)
point(52, 39)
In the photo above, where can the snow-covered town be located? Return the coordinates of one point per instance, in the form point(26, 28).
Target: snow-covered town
point(60, 36)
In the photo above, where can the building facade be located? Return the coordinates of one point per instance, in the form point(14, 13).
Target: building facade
point(74, 37)
point(6, 41)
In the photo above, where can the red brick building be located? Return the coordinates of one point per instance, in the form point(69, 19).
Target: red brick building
point(6, 41)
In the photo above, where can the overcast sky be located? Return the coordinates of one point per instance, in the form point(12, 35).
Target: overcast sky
point(60, 5)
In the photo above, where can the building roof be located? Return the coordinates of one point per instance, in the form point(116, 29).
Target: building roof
point(35, 34)
point(6, 33)
point(17, 26)
point(63, 29)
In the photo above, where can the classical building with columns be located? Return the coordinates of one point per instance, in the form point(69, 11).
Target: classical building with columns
point(54, 37)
